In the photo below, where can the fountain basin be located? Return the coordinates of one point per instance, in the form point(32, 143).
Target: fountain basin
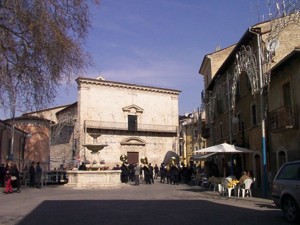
point(94, 179)
point(94, 148)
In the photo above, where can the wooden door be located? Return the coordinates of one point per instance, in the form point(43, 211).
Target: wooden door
point(133, 157)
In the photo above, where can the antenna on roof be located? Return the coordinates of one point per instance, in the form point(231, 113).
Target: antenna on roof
point(218, 48)
point(283, 6)
point(269, 8)
point(258, 12)
point(278, 8)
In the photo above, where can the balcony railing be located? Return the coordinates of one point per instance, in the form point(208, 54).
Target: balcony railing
point(109, 125)
point(284, 117)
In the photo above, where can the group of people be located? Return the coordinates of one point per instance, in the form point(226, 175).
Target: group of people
point(35, 175)
point(169, 173)
point(10, 177)
point(175, 173)
point(133, 172)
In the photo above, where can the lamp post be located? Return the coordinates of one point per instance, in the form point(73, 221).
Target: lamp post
point(263, 129)
point(246, 60)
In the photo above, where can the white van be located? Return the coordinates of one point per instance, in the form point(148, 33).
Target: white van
point(286, 190)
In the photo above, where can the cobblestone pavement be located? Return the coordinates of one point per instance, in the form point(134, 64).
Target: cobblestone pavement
point(145, 204)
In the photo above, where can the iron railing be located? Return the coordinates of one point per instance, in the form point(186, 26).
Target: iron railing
point(109, 125)
point(284, 117)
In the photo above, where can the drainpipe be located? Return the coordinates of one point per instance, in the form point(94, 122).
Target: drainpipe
point(229, 111)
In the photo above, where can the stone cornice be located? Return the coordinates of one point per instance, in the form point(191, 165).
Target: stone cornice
point(136, 109)
point(133, 141)
point(82, 80)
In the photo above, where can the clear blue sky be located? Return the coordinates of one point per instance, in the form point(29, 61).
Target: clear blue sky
point(162, 43)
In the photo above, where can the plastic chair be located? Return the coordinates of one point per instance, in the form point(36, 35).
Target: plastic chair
point(224, 186)
point(214, 183)
point(247, 189)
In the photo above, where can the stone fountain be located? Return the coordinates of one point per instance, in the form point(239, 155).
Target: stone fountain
point(94, 177)
point(95, 148)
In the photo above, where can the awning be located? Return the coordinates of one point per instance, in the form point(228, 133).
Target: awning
point(224, 148)
point(202, 156)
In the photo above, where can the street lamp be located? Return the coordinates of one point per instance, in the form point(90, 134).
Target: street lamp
point(246, 60)
point(263, 122)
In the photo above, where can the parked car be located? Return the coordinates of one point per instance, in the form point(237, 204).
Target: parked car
point(286, 190)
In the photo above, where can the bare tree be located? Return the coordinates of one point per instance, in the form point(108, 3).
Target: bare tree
point(41, 46)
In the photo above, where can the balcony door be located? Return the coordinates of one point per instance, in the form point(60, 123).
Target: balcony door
point(132, 122)
point(286, 89)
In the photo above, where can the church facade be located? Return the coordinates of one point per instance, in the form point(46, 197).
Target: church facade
point(128, 119)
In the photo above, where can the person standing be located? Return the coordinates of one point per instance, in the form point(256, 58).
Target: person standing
point(131, 172)
point(151, 173)
point(147, 174)
point(137, 170)
point(39, 172)
point(124, 173)
point(174, 171)
point(15, 177)
point(32, 174)
point(156, 170)
point(162, 171)
point(168, 174)
point(82, 166)
point(8, 186)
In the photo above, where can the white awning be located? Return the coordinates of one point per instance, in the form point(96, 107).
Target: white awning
point(224, 148)
point(202, 156)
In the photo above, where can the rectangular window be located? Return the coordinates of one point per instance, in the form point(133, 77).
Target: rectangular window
point(253, 115)
point(132, 122)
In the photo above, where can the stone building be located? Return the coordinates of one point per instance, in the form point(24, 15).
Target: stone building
point(36, 145)
point(190, 136)
point(283, 116)
point(251, 97)
point(30, 141)
point(49, 132)
point(12, 149)
point(135, 120)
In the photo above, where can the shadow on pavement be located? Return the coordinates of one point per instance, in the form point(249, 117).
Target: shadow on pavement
point(164, 212)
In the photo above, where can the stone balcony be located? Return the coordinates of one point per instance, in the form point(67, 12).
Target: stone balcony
point(139, 127)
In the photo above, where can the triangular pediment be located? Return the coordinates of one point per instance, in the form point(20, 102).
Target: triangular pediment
point(133, 141)
point(133, 109)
